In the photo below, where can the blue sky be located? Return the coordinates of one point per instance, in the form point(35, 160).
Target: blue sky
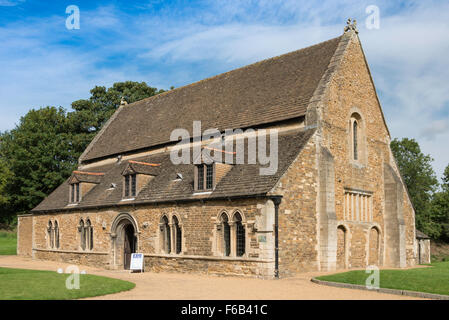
point(167, 43)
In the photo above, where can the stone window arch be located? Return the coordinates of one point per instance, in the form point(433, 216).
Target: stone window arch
point(89, 235)
point(82, 233)
point(50, 234)
point(224, 235)
point(357, 138)
point(56, 231)
point(177, 235)
point(240, 234)
point(165, 235)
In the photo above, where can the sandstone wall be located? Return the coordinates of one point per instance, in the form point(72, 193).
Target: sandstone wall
point(24, 235)
point(351, 91)
point(198, 221)
point(298, 241)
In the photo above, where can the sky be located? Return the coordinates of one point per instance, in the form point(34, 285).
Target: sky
point(174, 43)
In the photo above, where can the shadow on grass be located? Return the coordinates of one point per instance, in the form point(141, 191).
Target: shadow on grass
point(430, 280)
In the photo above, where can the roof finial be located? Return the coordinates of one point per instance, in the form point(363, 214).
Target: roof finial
point(351, 26)
point(123, 101)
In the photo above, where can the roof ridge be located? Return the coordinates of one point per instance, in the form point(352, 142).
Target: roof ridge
point(89, 173)
point(145, 163)
point(230, 71)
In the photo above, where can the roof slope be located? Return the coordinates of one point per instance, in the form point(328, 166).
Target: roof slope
point(272, 90)
point(241, 180)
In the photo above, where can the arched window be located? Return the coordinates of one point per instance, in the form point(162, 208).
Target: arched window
point(165, 233)
point(50, 234)
point(226, 234)
point(82, 233)
point(239, 234)
point(357, 139)
point(354, 139)
point(178, 235)
point(56, 234)
point(89, 235)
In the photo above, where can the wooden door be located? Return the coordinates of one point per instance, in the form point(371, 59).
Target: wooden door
point(129, 246)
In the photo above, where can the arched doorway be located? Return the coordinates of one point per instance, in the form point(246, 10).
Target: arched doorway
point(124, 237)
point(341, 247)
point(373, 254)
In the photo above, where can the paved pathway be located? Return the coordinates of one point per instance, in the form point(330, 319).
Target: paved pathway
point(168, 286)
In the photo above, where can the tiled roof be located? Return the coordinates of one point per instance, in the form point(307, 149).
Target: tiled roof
point(272, 90)
point(143, 167)
point(90, 177)
point(241, 180)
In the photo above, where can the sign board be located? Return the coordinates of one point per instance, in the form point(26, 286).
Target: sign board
point(136, 262)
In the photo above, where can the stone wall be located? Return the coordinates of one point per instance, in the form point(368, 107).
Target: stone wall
point(298, 240)
point(423, 251)
point(352, 93)
point(198, 222)
point(25, 235)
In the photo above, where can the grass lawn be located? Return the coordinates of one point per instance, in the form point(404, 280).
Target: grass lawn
point(434, 279)
point(21, 284)
point(8, 243)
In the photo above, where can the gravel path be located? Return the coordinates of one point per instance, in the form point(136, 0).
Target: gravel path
point(167, 286)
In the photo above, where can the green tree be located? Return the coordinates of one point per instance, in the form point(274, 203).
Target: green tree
point(421, 182)
point(440, 206)
point(42, 151)
point(39, 156)
point(5, 175)
point(91, 114)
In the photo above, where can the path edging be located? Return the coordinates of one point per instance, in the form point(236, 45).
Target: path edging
point(382, 290)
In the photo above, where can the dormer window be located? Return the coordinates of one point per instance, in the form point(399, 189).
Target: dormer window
point(75, 192)
point(204, 177)
point(81, 183)
point(130, 186)
point(144, 172)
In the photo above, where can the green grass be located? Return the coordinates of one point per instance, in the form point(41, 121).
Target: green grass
point(8, 243)
point(434, 279)
point(21, 284)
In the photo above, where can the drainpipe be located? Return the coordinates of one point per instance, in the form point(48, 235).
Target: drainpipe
point(277, 201)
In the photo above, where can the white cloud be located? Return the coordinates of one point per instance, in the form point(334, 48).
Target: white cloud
point(10, 3)
point(408, 55)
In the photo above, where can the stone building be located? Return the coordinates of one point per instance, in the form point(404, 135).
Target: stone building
point(335, 201)
point(423, 248)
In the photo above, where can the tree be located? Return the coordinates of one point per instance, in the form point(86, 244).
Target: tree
point(440, 206)
point(39, 156)
point(421, 182)
point(91, 114)
point(43, 150)
point(5, 175)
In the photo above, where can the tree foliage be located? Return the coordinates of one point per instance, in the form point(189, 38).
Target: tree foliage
point(91, 114)
point(42, 150)
point(38, 154)
point(421, 181)
point(440, 207)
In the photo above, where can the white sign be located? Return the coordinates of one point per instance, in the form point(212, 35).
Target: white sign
point(136, 262)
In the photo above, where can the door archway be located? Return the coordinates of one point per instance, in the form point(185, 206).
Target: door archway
point(124, 236)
